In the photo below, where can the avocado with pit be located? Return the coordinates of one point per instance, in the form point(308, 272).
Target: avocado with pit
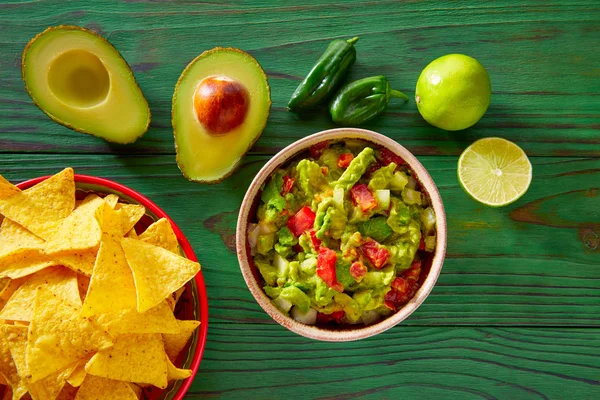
point(220, 107)
point(81, 81)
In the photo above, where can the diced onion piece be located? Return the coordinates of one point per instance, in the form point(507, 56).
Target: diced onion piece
point(282, 304)
point(338, 196)
point(310, 318)
point(281, 264)
point(253, 233)
point(410, 196)
point(383, 198)
point(399, 181)
point(267, 227)
point(428, 219)
point(370, 317)
point(412, 183)
point(309, 265)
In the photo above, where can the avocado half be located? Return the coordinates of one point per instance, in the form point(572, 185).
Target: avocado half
point(220, 107)
point(82, 82)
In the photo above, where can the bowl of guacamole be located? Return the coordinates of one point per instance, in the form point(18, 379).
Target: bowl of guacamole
point(341, 235)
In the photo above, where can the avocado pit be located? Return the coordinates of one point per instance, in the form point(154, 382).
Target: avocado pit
point(221, 104)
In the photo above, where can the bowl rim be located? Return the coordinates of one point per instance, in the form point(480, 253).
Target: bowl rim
point(286, 155)
point(185, 246)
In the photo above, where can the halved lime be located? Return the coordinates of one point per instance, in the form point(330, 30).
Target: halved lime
point(494, 171)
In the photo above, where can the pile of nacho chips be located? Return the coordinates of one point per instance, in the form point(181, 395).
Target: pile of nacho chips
point(86, 305)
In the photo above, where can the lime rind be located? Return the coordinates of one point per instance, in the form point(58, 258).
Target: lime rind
point(494, 171)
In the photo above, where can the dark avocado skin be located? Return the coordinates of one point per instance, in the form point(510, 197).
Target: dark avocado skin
point(259, 129)
point(52, 117)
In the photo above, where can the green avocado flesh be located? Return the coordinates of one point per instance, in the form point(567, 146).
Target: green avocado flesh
point(209, 157)
point(81, 81)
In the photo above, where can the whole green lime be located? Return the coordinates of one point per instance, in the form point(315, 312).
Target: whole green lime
point(453, 92)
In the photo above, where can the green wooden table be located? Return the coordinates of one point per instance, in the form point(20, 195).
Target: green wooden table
point(515, 313)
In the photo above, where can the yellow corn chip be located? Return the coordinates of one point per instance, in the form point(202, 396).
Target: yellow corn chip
point(112, 287)
point(80, 262)
point(132, 234)
point(26, 264)
point(174, 297)
point(175, 343)
point(21, 323)
point(4, 282)
point(161, 234)
point(158, 319)
point(79, 231)
point(59, 280)
point(133, 358)
point(157, 272)
point(84, 283)
point(9, 289)
point(111, 200)
point(174, 373)
point(130, 215)
point(78, 374)
point(15, 239)
point(8, 368)
point(59, 336)
point(97, 388)
point(45, 389)
point(7, 189)
point(41, 208)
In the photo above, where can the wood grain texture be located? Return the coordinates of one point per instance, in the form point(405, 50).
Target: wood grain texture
point(525, 264)
point(544, 70)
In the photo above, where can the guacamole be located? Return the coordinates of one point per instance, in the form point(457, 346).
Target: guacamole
point(340, 233)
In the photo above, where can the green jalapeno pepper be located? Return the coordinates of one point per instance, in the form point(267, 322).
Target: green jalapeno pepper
point(362, 100)
point(325, 76)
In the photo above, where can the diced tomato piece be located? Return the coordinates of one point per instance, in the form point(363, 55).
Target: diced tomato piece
point(412, 274)
point(326, 268)
point(316, 150)
point(344, 160)
point(324, 170)
point(422, 244)
point(302, 221)
point(358, 270)
point(316, 242)
point(362, 196)
point(400, 284)
point(403, 288)
point(334, 316)
point(375, 253)
point(387, 157)
point(288, 183)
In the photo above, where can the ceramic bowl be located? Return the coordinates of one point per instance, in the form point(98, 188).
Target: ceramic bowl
point(193, 303)
point(431, 265)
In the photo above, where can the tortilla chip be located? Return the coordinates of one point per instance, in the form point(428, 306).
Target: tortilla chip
point(174, 297)
point(176, 374)
point(161, 234)
point(21, 323)
point(78, 374)
point(97, 388)
point(7, 189)
point(30, 208)
point(25, 264)
point(132, 234)
point(175, 343)
point(157, 272)
point(8, 367)
point(15, 239)
point(111, 200)
point(80, 262)
point(159, 319)
point(59, 336)
point(83, 282)
point(133, 358)
point(112, 287)
point(59, 280)
point(9, 290)
point(79, 231)
point(130, 215)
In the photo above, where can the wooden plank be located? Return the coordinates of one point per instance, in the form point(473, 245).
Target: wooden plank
point(253, 361)
point(531, 263)
point(545, 78)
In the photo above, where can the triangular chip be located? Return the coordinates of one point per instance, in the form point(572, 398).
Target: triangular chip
point(59, 336)
point(161, 234)
point(157, 272)
point(59, 280)
point(7, 189)
point(25, 264)
point(133, 358)
point(158, 319)
point(30, 208)
point(112, 287)
point(78, 374)
point(8, 368)
point(15, 239)
point(44, 389)
point(97, 388)
point(174, 297)
point(175, 343)
point(79, 231)
point(132, 234)
point(176, 374)
point(130, 215)
point(80, 262)
point(9, 290)
point(111, 200)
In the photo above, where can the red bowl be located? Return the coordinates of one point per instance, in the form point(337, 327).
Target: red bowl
point(193, 303)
